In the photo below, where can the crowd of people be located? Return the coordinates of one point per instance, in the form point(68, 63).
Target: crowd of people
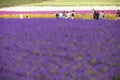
point(71, 15)
point(65, 14)
point(68, 14)
point(97, 15)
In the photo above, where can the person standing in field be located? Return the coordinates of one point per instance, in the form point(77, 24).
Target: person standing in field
point(102, 15)
point(64, 14)
point(94, 14)
point(57, 15)
point(21, 15)
point(118, 14)
point(72, 14)
point(27, 17)
point(68, 14)
point(97, 15)
point(61, 15)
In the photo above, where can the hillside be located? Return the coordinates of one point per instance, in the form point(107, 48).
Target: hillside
point(7, 3)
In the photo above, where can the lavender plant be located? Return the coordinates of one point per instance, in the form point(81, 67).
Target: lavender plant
point(59, 49)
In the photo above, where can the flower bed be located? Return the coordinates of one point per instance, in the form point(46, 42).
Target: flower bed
point(59, 49)
point(83, 14)
point(77, 16)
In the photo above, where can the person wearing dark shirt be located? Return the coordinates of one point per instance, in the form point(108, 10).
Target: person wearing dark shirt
point(118, 14)
point(97, 15)
point(94, 14)
point(57, 15)
point(72, 14)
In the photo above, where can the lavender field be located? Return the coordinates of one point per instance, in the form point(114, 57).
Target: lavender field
point(59, 49)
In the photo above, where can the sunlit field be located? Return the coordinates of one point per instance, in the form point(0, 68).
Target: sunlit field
point(35, 45)
point(7, 3)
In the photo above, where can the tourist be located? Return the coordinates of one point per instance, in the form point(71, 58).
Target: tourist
point(61, 15)
point(118, 14)
point(97, 15)
point(68, 14)
point(21, 15)
point(94, 14)
point(72, 14)
point(27, 17)
point(64, 14)
point(57, 15)
point(102, 15)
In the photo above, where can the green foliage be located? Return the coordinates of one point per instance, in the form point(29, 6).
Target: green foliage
point(92, 62)
point(73, 76)
point(27, 73)
point(117, 77)
point(92, 72)
point(112, 64)
point(66, 73)
point(103, 69)
point(53, 71)
point(34, 52)
point(73, 68)
point(41, 77)
point(7, 3)
point(79, 57)
point(79, 64)
point(92, 79)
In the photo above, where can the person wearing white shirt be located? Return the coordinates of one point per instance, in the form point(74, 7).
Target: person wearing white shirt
point(61, 15)
point(68, 15)
point(21, 15)
point(102, 15)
